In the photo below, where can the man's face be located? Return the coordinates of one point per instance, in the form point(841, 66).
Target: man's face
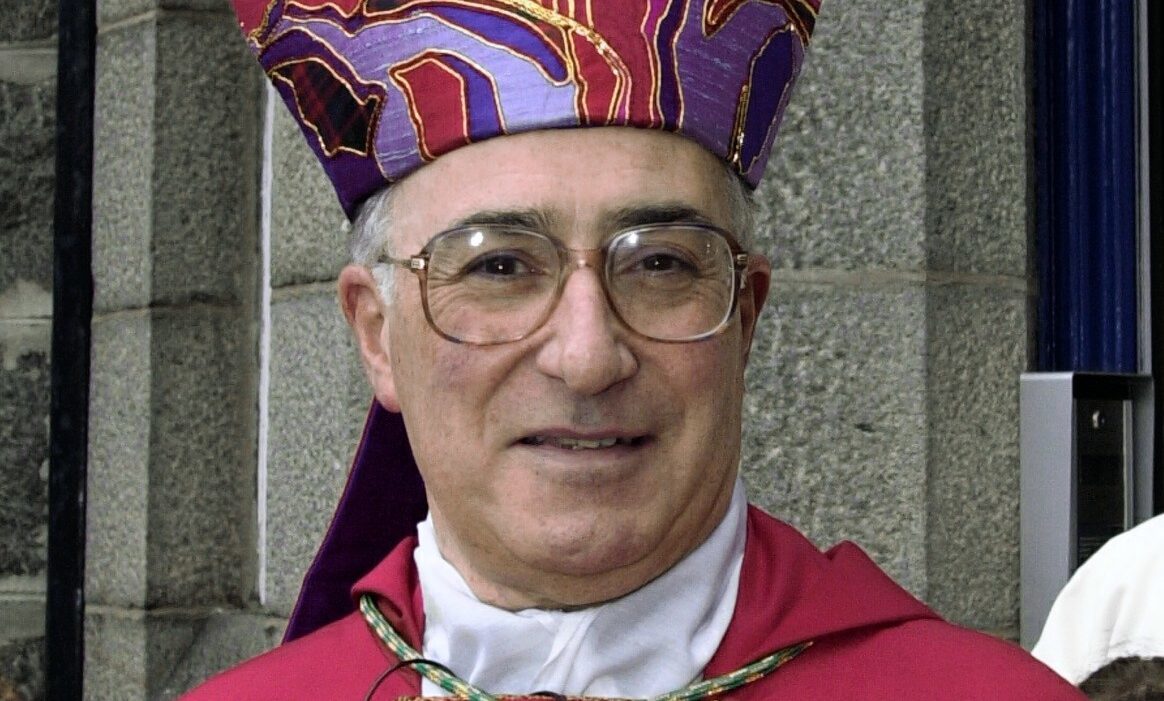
point(533, 522)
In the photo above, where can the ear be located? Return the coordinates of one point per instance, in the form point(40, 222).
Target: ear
point(757, 278)
point(367, 314)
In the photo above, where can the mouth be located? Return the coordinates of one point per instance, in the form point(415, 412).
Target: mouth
point(570, 443)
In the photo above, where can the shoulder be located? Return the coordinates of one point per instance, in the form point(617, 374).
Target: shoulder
point(1127, 564)
point(968, 664)
point(918, 659)
point(970, 658)
point(341, 660)
point(1141, 547)
point(1111, 607)
point(871, 639)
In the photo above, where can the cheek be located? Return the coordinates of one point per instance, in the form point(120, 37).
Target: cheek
point(425, 364)
point(447, 396)
point(713, 387)
point(713, 369)
point(438, 396)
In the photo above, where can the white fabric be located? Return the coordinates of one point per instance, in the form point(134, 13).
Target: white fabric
point(1112, 607)
point(651, 641)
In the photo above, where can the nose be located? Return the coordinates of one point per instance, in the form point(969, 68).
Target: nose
point(586, 348)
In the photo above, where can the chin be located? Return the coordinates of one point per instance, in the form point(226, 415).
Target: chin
point(589, 552)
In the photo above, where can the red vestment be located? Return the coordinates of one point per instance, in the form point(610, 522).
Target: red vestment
point(871, 639)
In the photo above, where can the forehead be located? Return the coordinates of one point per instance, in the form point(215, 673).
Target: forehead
point(578, 180)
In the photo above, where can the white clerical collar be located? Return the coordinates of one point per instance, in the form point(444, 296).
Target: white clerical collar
point(651, 641)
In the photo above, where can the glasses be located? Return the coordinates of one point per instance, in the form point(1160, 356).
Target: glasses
point(490, 284)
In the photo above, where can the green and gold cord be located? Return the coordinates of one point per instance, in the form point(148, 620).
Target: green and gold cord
point(461, 689)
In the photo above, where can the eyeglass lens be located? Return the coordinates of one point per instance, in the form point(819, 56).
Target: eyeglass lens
point(490, 285)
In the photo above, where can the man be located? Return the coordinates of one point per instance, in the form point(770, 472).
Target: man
point(553, 286)
point(1111, 607)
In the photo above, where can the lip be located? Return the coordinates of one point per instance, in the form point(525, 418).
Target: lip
point(593, 440)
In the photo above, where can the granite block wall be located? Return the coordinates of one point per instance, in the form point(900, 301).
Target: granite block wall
point(308, 230)
point(884, 391)
point(172, 526)
point(317, 403)
point(228, 398)
point(835, 417)
point(27, 143)
point(316, 399)
point(979, 207)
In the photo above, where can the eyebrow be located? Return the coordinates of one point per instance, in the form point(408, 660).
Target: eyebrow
point(535, 219)
point(622, 218)
point(653, 213)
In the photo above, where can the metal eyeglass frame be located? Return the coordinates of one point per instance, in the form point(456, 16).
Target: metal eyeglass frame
point(571, 259)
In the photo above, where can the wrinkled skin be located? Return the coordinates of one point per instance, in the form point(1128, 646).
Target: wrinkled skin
point(542, 525)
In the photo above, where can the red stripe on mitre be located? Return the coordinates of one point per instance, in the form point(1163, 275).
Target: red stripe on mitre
point(251, 13)
point(621, 25)
point(436, 103)
point(346, 7)
point(596, 85)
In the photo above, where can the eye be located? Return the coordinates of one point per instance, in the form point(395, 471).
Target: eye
point(657, 261)
point(505, 265)
point(663, 263)
point(499, 265)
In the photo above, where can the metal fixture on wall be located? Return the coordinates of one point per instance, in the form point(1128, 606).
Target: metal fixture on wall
point(1086, 185)
point(1152, 200)
point(1087, 475)
point(1089, 457)
point(72, 316)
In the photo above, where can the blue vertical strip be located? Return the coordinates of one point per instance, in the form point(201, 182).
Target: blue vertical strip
point(1085, 169)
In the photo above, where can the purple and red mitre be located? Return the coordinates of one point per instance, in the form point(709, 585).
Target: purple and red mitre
point(381, 87)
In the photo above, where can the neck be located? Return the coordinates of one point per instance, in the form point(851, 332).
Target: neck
point(673, 625)
point(517, 585)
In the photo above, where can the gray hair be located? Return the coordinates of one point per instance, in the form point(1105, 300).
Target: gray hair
point(370, 238)
point(371, 232)
point(742, 200)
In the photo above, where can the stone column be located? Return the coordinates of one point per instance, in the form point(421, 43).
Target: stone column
point(979, 323)
point(883, 401)
point(317, 396)
point(171, 560)
point(27, 153)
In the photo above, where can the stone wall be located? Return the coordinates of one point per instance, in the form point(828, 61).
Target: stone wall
point(227, 398)
point(883, 401)
point(27, 103)
point(171, 513)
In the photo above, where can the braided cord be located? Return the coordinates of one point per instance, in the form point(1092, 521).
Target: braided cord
point(404, 652)
point(699, 691)
point(733, 680)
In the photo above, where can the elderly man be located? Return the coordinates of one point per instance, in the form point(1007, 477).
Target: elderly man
point(1111, 607)
point(553, 285)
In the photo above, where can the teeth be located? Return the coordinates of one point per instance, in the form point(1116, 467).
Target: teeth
point(580, 444)
point(576, 443)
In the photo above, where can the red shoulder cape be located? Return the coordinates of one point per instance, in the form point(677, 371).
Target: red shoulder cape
point(871, 639)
